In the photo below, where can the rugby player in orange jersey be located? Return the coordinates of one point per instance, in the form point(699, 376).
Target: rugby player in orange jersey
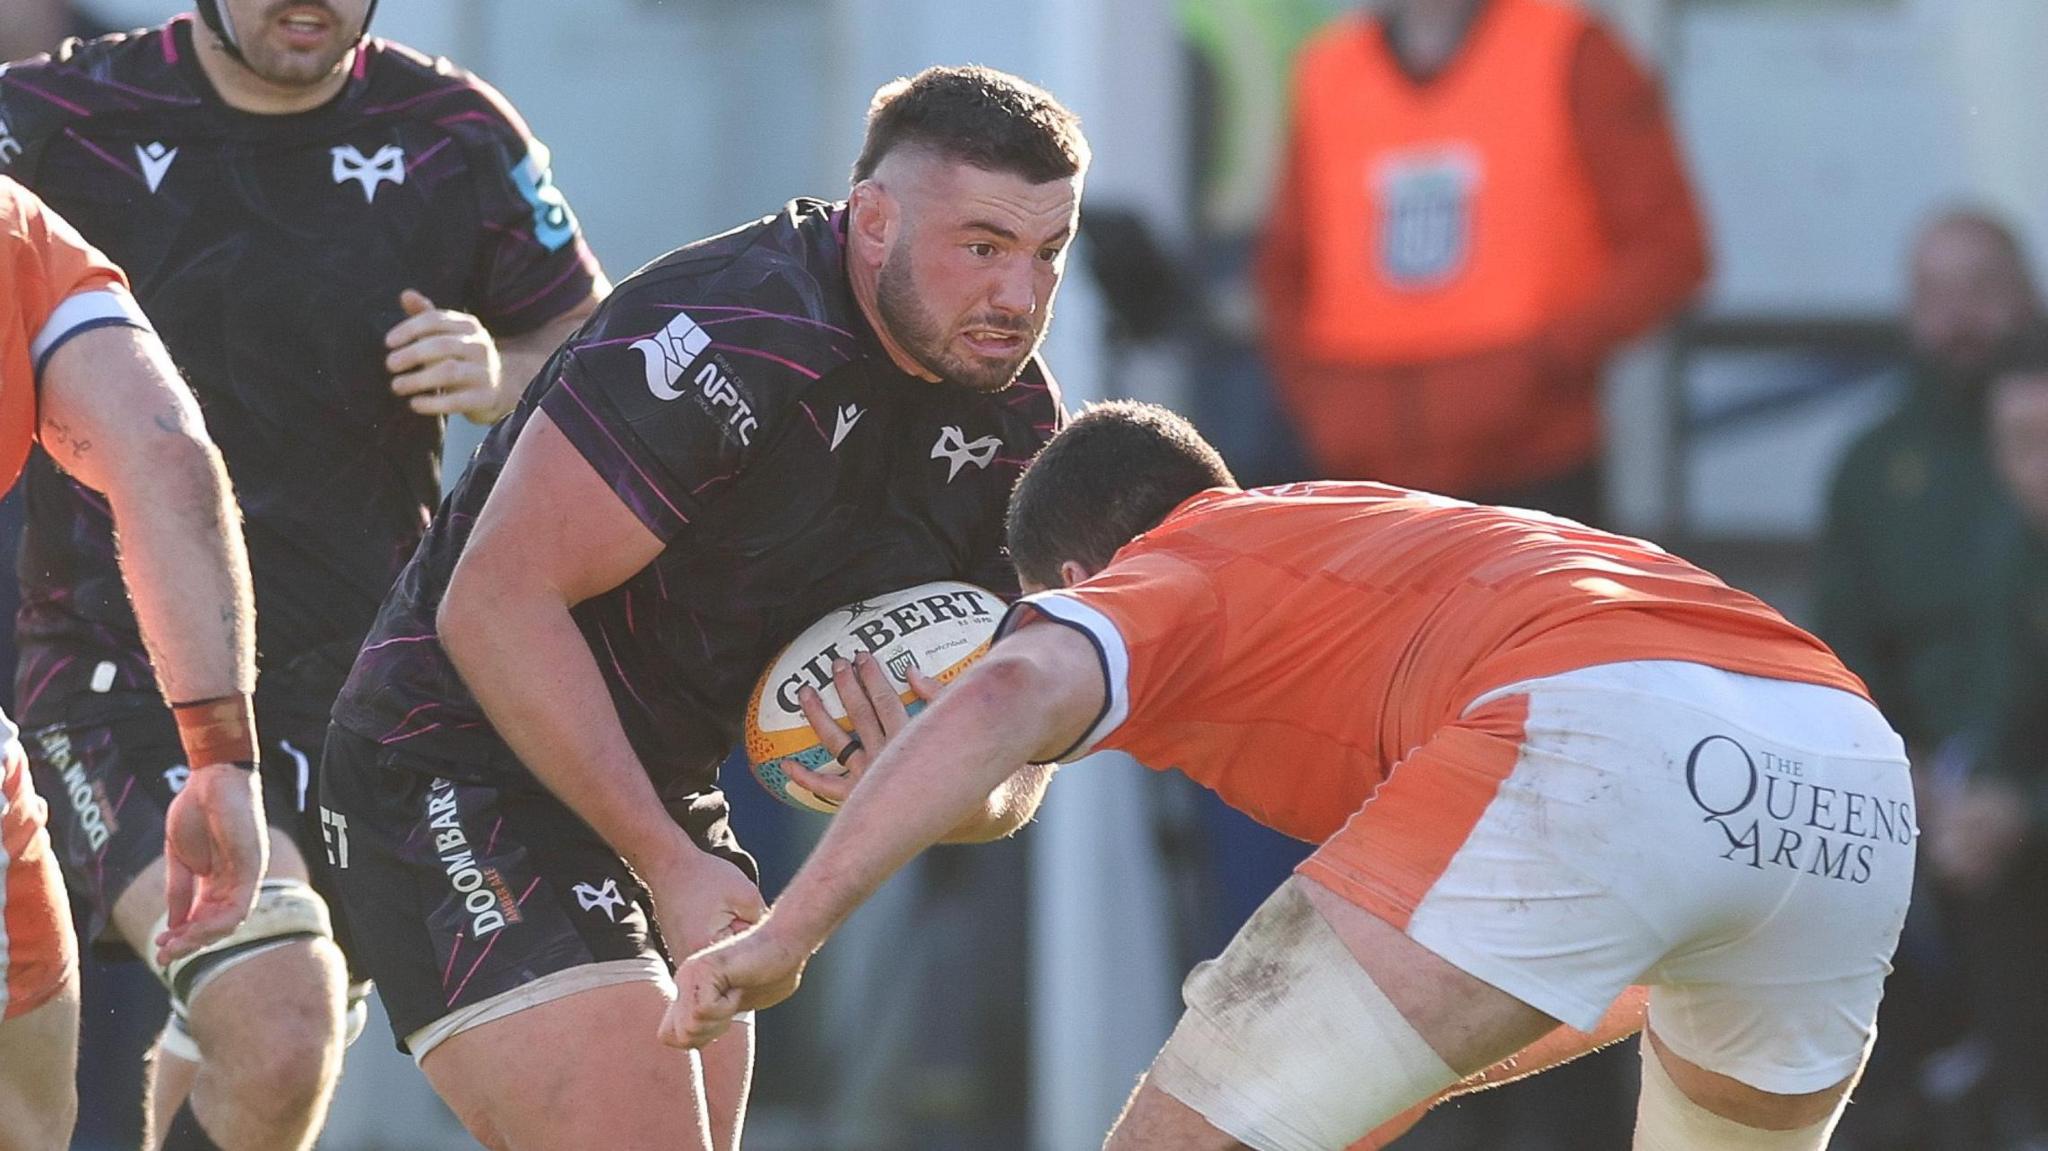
point(1544, 764)
point(82, 373)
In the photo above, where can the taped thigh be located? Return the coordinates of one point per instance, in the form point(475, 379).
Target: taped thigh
point(1288, 1045)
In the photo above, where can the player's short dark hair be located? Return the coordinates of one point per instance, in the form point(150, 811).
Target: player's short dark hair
point(1105, 479)
point(979, 116)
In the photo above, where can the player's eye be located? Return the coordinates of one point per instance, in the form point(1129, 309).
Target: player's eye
point(982, 248)
point(1050, 255)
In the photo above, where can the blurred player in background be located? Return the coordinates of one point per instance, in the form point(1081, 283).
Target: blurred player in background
point(342, 242)
point(520, 785)
point(81, 372)
point(1543, 763)
point(1481, 200)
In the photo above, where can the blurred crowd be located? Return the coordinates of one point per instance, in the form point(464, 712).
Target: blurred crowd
point(1423, 229)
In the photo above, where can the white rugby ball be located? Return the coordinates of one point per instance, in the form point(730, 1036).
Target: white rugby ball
point(939, 628)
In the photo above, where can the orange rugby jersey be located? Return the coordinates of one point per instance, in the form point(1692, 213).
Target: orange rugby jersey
point(53, 285)
point(1285, 647)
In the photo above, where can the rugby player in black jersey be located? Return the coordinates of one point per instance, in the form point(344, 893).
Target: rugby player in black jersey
point(520, 786)
point(342, 242)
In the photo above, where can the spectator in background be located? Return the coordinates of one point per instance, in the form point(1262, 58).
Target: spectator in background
point(1983, 815)
point(1481, 200)
point(1913, 491)
point(1899, 581)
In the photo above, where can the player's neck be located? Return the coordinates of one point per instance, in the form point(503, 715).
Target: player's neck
point(867, 292)
point(245, 91)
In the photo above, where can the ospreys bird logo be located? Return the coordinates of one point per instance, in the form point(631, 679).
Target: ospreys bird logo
point(372, 172)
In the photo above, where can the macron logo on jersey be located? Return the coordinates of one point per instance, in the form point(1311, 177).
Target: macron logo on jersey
point(848, 416)
point(155, 160)
point(670, 353)
point(372, 172)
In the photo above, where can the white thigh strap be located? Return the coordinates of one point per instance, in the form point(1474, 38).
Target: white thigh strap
point(1668, 1121)
point(1288, 1045)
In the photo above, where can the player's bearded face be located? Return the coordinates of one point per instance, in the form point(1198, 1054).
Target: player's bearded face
point(970, 304)
point(296, 42)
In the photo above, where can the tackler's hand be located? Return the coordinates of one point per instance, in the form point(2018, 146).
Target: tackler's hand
point(876, 712)
point(746, 972)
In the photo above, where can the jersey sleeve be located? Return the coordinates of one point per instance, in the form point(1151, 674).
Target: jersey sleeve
point(532, 264)
point(665, 425)
point(1153, 619)
point(58, 285)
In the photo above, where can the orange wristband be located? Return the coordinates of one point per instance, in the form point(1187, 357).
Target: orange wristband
point(219, 730)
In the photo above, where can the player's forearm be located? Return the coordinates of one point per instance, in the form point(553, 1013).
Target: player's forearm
point(928, 782)
point(1009, 807)
point(523, 658)
point(117, 418)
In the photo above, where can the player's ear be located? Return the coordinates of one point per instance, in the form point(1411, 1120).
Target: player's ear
point(1072, 573)
point(871, 217)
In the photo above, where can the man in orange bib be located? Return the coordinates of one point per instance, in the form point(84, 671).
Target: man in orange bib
point(1544, 764)
point(82, 373)
point(1479, 202)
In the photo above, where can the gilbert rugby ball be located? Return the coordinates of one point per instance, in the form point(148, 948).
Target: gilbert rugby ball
point(938, 628)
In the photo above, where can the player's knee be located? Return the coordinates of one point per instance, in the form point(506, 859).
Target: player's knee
point(1685, 1105)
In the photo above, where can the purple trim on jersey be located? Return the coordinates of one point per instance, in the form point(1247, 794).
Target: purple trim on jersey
point(147, 94)
point(118, 803)
point(36, 692)
point(625, 681)
point(170, 41)
point(758, 354)
point(362, 64)
point(568, 273)
point(522, 235)
point(755, 313)
point(599, 424)
point(409, 101)
point(407, 718)
point(492, 842)
point(52, 97)
point(448, 972)
point(396, 640)
point(813, 417)
point(111, 160)
point(429, 154)
point(701, 488)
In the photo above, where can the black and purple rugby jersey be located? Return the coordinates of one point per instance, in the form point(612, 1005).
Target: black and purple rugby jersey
point(270, 252)
point(734, 397)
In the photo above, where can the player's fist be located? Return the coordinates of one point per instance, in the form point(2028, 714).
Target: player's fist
point(750, 971)
point(444, 362)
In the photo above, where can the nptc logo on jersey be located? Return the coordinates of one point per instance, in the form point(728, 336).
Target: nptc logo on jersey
point(1425, 199)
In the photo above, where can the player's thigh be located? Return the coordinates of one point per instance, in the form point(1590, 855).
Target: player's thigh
point(585, 1070)
point(1491, 855)
point(1730, 1098)
point(1318, 1024)
point(38, 972)
point(1813, 823)
point(108, 783)
point(461, 900)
